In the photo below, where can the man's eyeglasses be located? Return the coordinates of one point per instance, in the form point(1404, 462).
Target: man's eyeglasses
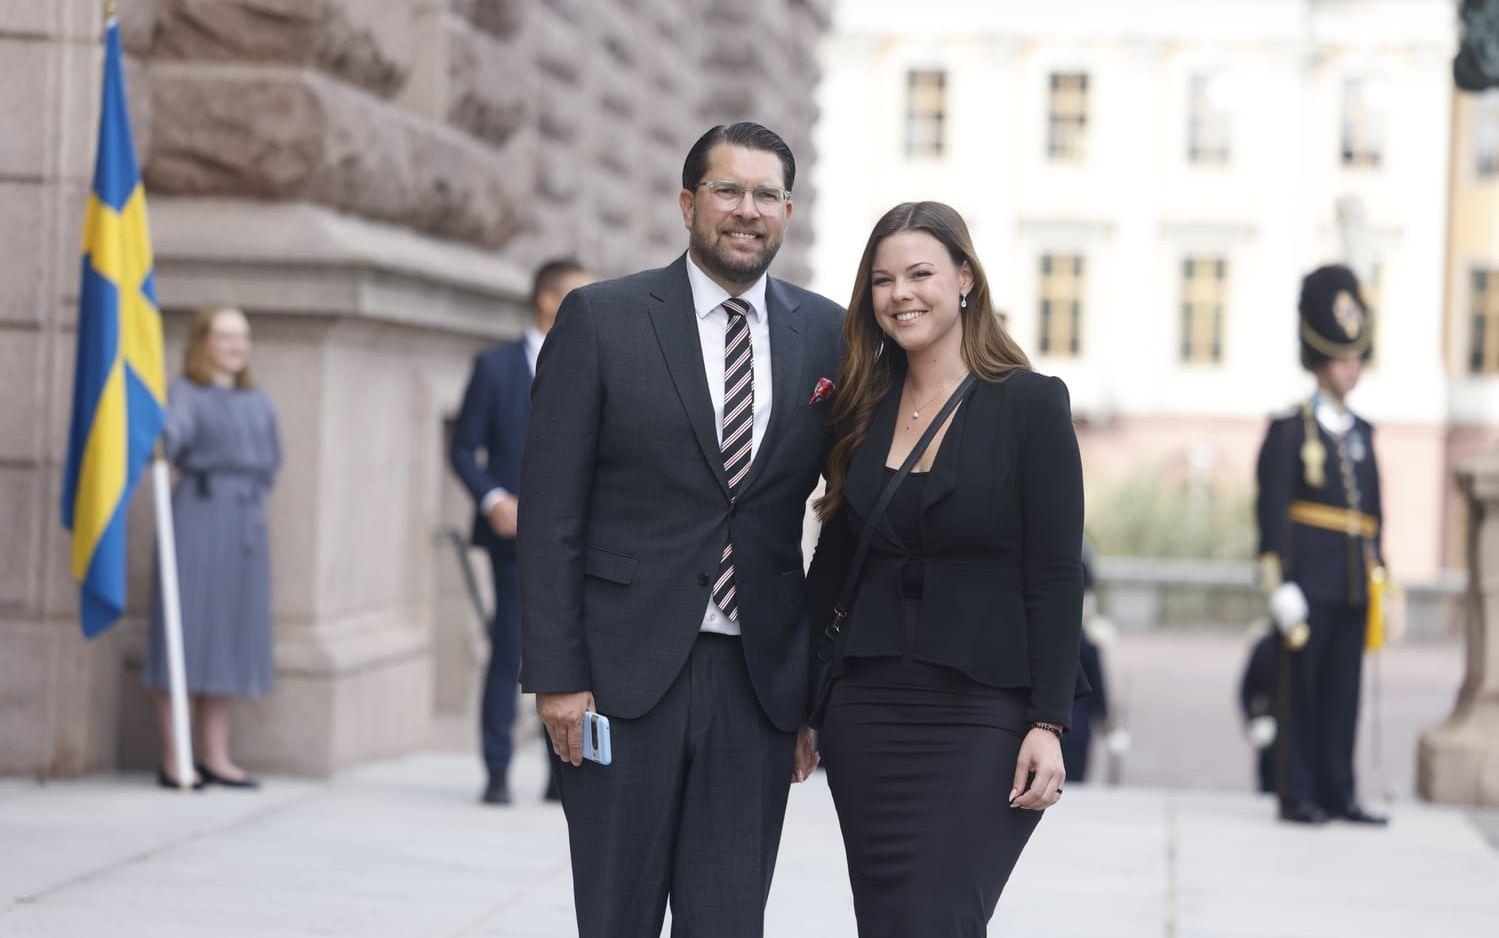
point(729, 194)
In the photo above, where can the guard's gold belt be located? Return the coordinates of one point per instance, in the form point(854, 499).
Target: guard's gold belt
point(1332, 518)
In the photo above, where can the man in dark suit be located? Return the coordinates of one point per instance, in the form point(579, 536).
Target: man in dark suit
point(1321, 557)
point(678, 426)
point(496, 408)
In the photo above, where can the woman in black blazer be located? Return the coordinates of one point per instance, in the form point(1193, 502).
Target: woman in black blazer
point(957, 667)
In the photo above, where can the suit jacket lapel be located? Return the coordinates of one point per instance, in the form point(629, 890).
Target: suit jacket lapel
point(786, 350)
point(675, 321)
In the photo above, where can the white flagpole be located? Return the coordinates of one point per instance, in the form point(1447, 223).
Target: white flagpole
point(171, 607)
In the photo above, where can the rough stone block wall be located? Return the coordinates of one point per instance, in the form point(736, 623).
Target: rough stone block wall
point(530, 127)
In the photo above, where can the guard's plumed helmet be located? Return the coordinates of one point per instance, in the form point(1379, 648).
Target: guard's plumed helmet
point(1334, 317)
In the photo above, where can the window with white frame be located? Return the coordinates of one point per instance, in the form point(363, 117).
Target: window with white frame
point(926, 112)
point(1204, 291)
point(1209, 120)
point(1067, 116)
point(1061, 308)
point(1483, 329)
point(1486, 134)
point(1364, 119)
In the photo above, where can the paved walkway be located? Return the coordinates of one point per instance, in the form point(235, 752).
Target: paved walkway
point(400, 849)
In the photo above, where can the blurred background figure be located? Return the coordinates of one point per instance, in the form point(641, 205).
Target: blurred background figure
point(1093, 710)
point(1078, 743)
point(1257, 703)
point(222, 438)
point(1320, 552)
point(495, 413)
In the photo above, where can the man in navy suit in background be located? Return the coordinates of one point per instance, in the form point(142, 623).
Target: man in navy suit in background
point(496, 410)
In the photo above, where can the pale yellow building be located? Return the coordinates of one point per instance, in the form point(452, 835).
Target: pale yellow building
point(1471, 323)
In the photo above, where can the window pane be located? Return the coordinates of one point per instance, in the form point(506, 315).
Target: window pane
point(1067, 116)
point(926, 112)
point(1483, 336)
point(1208, 119)
point(1486, 134)
point(1061, 304)
point(1204, 294)
point(1363, 127)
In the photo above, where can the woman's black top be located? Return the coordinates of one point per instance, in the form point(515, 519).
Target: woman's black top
point(997, 537)
point(904, 512)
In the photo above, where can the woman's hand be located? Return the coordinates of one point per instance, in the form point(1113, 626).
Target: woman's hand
point(806, 759)
point(1040, 753)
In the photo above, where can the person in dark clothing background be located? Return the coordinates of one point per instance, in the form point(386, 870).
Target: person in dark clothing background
point(1321, 556)
point(1093, 708)
point(492, 421)
point(1257, 705)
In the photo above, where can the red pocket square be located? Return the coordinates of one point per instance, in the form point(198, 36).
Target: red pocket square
point(823, 391)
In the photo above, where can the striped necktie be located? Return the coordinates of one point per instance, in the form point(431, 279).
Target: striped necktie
point(738, 433)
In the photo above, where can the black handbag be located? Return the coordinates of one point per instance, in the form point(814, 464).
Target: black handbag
point(821, 678)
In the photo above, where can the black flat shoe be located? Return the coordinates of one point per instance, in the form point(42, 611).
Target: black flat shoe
point(166, 781)
point(1303, 813)
point(1354, 814)
point(249, 782)
point(496, 792)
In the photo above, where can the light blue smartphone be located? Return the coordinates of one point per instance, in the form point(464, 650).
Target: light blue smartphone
point(596, 745)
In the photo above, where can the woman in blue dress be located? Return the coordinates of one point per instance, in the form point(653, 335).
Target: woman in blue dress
point(222, 438)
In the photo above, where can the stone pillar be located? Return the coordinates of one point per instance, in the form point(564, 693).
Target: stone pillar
point(363, 337)
point(373, 184)
point(1458, 761)
point(57, 691)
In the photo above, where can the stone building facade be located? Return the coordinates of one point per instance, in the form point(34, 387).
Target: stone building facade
point(372, 181)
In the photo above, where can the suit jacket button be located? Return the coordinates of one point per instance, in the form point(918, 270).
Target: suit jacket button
point(702, 579)
point(733, 509)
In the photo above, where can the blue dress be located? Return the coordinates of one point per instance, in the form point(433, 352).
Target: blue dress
point(225, 446)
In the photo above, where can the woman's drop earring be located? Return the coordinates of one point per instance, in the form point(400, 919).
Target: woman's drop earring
point(963, 301)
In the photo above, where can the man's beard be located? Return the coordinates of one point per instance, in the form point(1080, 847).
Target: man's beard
point(732, 267)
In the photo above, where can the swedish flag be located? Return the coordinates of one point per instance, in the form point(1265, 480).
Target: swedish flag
point(119, 391)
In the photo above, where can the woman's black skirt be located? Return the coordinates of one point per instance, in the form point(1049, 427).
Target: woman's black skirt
point(920, 760)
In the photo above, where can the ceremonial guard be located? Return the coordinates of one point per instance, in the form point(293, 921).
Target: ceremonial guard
point(1321, 561)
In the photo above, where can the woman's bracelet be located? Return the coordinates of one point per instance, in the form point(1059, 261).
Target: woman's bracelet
point(1049, 727)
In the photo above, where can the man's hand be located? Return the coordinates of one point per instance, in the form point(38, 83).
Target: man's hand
point(806, 755)
point(1041, 754)
point(563, 716)
point(502, 515)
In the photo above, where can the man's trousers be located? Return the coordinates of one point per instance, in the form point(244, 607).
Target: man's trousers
point(1324, 684)
point(690, 809)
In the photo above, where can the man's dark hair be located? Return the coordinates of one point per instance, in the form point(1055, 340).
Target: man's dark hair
point(550, 274)
point(745, 134)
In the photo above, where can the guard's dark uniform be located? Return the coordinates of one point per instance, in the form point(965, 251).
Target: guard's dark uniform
point(1319, 517)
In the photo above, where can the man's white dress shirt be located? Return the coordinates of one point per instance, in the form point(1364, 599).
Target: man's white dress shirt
point(712, 326)
point(534, 337)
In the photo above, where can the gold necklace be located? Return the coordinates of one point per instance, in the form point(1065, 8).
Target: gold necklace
point(916, 412)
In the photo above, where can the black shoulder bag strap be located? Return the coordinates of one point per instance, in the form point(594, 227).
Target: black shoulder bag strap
point(822, 663)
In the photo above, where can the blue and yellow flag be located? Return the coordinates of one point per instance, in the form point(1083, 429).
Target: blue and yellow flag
point(119, 391)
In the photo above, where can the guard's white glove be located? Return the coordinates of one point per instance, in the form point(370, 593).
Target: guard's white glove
point(1262, 731)
point(1288, 607)
point(1117, 741)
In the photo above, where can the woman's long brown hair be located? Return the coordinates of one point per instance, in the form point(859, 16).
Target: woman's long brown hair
point(870, 363)
point(196, 363)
